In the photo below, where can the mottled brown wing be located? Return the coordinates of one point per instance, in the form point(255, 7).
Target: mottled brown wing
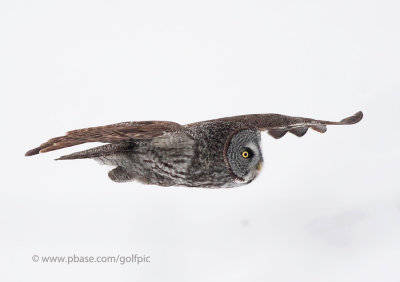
point(278, 125)
point(114, 133)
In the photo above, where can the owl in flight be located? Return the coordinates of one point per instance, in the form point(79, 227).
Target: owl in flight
point(216, 153)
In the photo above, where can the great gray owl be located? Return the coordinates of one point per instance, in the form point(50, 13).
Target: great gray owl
point(222, 152)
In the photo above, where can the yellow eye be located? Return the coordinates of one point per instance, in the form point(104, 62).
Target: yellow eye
point(245, 154)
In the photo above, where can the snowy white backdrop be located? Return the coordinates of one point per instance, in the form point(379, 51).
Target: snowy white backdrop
point(326, 206)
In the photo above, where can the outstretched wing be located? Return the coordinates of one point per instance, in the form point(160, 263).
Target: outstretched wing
point(114, 133)
point(278, 125)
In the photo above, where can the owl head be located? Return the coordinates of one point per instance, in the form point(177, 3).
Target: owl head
point(242, 154)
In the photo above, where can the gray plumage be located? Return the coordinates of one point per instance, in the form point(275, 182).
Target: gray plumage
point(223, 152)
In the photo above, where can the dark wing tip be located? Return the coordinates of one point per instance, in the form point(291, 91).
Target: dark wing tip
point(277, 133)
point(321, 128)
point(353, 119)
point(33, 152)
point(299, 131)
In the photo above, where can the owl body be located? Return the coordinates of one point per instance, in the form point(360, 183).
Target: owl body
point(176, 159)
point(217, 153)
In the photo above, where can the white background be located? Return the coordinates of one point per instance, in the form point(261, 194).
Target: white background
point(326, 206)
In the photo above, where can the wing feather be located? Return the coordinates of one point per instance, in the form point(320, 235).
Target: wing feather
point(278, 125)
point(113, 133)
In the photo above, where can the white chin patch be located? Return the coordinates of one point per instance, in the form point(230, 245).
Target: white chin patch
point(249, 177)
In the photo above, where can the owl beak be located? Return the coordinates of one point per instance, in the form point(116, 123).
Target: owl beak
point(259, 166)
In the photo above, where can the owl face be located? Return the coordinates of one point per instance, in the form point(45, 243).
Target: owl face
point(243, 155)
